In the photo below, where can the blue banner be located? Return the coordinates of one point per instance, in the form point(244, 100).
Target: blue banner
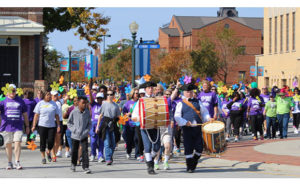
point(91, 66)
point(253, 71)
point(64, 64)
point(75, 64)
point(142, 62)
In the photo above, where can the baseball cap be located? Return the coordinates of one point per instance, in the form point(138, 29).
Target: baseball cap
point(12, 86)
point(100, 95)
point(54, 92)
point(142, 91)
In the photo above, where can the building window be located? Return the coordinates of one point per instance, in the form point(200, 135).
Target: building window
point(275, 34)
point(262, 50)
point(267, 81)
point(294, 31)
point(281, 30)
point(243, 50)
point(270, 35)
point(226, 26)
point(287, 32)
point(242, 75)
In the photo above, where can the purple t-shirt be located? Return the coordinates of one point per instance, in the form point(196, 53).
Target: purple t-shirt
point(37, 100)
point(95, 108)
point(11, 114)
point(127, 108)
point(237, 105)
point(224, 106)
point(255, 108)
point(209, 100)
point(30, 104)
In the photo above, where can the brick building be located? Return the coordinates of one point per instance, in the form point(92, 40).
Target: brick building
point(21, 43)
point(183, 32)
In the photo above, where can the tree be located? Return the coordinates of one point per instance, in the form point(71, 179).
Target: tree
point(88, 24)
point(114, 49)
point(52, 65)
point(228, 51)
point(81, 54)
point(205, 59)
point(172, 66)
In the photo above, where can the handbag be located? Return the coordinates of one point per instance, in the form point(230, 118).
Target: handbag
point(1, 140)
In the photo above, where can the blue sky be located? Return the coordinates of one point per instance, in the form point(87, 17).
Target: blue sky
point(149, 20)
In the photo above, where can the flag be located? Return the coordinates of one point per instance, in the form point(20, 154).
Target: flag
point(91, 66)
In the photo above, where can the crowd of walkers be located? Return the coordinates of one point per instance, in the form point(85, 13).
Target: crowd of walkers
point(75, 124)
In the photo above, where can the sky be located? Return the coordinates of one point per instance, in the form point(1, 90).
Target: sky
point(148, 19)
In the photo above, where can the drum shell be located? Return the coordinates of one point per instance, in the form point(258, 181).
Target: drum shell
point(214, 142)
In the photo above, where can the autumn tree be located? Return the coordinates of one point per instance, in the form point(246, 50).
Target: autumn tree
point(87, 22)
point(52, 65)
point(205, 59)
point(114, 49)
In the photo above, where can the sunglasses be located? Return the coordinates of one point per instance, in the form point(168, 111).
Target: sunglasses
point(168, 94)
point(110, 94)
point(13, 91)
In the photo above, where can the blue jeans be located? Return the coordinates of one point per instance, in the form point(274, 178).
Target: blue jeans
point(148, 146)
point(128, 136)
point(96, 142)
point(271, 122)
point(283, 120)
point(68, 135)
point(109, 145)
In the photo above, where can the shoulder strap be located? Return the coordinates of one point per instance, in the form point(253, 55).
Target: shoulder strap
point(192, 106)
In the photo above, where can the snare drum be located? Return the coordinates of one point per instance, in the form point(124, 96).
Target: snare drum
point(214, 137)
point(154, 112)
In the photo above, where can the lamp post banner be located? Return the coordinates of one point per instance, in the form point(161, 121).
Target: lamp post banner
point(91, 66)
point(75, 64)
point(64, 64)
point(142, 64)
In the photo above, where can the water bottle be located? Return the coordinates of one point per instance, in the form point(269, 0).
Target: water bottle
point(33, 135)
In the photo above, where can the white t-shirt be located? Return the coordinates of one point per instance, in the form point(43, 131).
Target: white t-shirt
point(47, 112)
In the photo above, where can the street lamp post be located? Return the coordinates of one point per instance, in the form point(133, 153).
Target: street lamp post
point(257, 71)
point(133, 27)
point(70, 48)
point(104, 45)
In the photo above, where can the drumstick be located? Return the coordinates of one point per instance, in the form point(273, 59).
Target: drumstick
point(197, 124)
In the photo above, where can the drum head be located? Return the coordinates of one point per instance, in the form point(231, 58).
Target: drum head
point(1, 140)
point(213, 127)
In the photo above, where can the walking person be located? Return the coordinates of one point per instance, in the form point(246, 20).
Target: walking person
point(110, 113)
point(270, 113)
point(296, 111)
point(46, 113)
point(80, 125)
point(12, 110)
point(30, 104)
point(226, 116)
point(58, 134)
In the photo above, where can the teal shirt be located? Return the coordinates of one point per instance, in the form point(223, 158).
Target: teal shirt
point(271, 108)
point(284, 105)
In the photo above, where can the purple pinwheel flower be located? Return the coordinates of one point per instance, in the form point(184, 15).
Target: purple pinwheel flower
point(295, 83)
point(198, 80)
point(209, 79)
point(87, 67)
point(187, 79)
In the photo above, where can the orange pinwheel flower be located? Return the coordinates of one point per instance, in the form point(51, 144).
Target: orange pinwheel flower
point(31, 145)
point(123, 119)
point(147, 77)
point(61, 80)
point(291, 94)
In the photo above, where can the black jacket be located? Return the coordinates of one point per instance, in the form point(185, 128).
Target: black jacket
point(110, 123)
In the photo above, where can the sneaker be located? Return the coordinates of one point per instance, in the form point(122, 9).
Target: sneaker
point(101, 160)
point(254, 138)
point(277, 133)
point(156, 167)
point(87, 171)
point(54, 159)
point(9, 166)
point(67, 155)
point(128, 156)
point(59, 154)
point(261, 137)
point(296, 131)
point(178, 151)
point(141, 158)
point(44, 161)
point(18, 165)
point(236, 139)
point(109, 163)
point(252, 135)
point(227, 139)
point(73, 168)
point(92, 158)
point(166, 166)
point(49, 157)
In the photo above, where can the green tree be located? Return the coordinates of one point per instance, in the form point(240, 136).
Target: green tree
point(52, 65)
point(228, 51)
point(114, 49)
point(205, 59)
point(88, 24)
point(81, 54)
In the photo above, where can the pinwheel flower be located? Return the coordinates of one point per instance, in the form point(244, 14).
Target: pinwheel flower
point(187, 79)
point(198, 80)
point(72, 93)
point(87, 67)
point(140, 81)
point(20, 91)
point(2, 98)
point(55, 86)
point(61, 80)
point(147, 77)
point(220, 89)
point(230, 92)
point(31, 145)
point(61, 89)
point(220, 84)
point(127, 90)
point(224, 89)
point(123, 119)
point(181, 80)
point(209, 79)
point(290, 93)
point(295, 83)
point(212, 83)
point(235, 86)
point(200, 86)
point(257, 97)
point(296, 98)
point(6, 90)
point(164, 85)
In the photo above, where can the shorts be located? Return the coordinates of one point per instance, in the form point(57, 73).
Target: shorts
point(10, 137)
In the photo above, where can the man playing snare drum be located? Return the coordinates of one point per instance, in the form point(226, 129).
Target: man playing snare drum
point(151, 137)
point(189, 113)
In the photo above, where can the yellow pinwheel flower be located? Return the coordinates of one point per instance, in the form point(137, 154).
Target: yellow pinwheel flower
point(55, 86)
point(6, 90)
point(230, 92)
point(220, 90)
point(224, 89)
point(20, 91)
point(72, 93)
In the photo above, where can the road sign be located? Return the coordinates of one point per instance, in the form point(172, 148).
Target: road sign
point(148, 42)
point(147, 46)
